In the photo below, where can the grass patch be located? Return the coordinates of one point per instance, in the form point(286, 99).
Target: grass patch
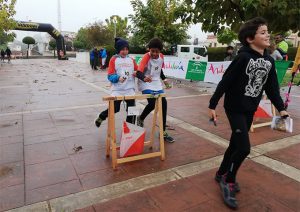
point(287, 78)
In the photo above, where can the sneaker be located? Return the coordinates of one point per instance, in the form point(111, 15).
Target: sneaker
point(228, 193)
point(98, 122)
point(218, 178)
point(168, 138)
point(139, 121)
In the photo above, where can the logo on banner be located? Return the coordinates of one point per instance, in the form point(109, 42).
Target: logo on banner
point(177, 65)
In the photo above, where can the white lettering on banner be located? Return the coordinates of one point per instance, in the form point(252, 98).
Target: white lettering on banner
point(215, 70)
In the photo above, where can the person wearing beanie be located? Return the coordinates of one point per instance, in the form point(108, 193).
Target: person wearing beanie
point(121, 70)
point(150, 74)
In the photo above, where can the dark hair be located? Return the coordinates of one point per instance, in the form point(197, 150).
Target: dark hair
point(155, 43)
point(249, 28)
point(229, 47)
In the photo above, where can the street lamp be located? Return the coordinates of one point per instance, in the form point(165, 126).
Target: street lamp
point(115, 26)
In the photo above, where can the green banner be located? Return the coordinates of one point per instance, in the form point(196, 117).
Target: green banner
point(138, 59)
point(196, 70)
point(281, 68)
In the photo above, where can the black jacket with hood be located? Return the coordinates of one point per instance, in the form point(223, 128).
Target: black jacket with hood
point(244, 81)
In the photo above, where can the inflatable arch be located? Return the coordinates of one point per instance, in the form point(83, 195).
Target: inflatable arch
point(41, 27)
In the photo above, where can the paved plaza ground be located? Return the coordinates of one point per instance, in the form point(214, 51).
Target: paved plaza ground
point(47, 109)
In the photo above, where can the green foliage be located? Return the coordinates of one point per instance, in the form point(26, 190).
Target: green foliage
point(81, 39)
point(226, 36)
point(78, 44)
point(158, 18)
point(216, 53)
point(28, 40)
point(282, 15)
point(122, 28)
point(6, 37)
point(52, 44)
point(101, 33)
point(98, 34)
point(7, 10)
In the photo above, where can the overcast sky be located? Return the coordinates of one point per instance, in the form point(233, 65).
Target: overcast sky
point(77, 13)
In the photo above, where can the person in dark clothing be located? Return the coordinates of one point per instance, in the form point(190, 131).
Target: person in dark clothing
point(96, 61)
point(229, 53)
point(8, 53)
point(2, 55)
point(251, 72)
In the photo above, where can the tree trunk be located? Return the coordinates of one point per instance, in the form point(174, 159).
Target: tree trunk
point(54, 52)
point(27, 51)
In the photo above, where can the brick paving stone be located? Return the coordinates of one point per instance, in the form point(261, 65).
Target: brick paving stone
point(11, 174)
point(11, 197)
point(43, 152)
point(139, 201)
point(289, 155)
point(11, 139)
point(177, 196)
point(103, 177)
point(53, 191)
point(88, 142)
point(87, 209)
point(49, 173)
point(11, 153)
point(90, 161)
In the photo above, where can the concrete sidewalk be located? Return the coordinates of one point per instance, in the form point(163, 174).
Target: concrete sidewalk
point(47, 110)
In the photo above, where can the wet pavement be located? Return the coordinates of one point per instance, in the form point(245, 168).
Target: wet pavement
point(48, 108)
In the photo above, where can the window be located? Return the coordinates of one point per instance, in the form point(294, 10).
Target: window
point(185, 49)
point(200, 51)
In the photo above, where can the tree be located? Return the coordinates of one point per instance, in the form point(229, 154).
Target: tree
point(6, 13)
point(226, 37)
point(215, 15)
point(98, 34)
point(5, 38)
point(158, 18)
point(81, 39)
point(52, 45)
point(122, 28)
point(78, 45)
point(28, 40)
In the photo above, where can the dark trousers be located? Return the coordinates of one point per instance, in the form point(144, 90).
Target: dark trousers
point(239, 146)
point(131, 119)
point(151, 105)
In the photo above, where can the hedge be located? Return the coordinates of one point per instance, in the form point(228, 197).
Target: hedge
point(218, 53)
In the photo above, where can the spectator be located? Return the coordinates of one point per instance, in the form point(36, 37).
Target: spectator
point(2, 55)
point(274, 52)
point(282, 46)
point(229, 53)
point(8, 53)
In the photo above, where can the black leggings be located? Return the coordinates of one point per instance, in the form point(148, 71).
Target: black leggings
point(239, 146)
point(151, 105)
point(130, 119)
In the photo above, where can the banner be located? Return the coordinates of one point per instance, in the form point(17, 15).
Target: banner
point(196, 70)
point(281, 67)
point(215, 71)
point(175, 67)
point(205, 71)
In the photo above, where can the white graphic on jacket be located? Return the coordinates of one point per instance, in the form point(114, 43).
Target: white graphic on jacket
point(258, 74)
